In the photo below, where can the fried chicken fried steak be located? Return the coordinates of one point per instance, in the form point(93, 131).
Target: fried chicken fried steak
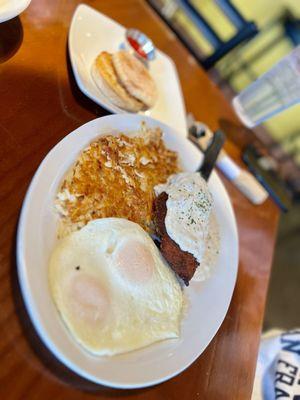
point(182, 262)
point(182, 210)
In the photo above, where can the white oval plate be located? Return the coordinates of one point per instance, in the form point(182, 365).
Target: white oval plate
point(11, 8)
point(92, 32)
point(208, 301)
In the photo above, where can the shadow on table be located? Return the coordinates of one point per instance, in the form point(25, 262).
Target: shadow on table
point(80, 97)
point(49, 361)
point(11, 37)
point(237, 133)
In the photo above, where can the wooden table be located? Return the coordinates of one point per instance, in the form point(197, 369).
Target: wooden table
point(39, 105)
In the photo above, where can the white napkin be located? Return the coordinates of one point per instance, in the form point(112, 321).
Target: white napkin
point(278, 367)
point(241, 178)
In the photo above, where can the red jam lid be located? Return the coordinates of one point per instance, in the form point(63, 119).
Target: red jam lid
point(137, 47)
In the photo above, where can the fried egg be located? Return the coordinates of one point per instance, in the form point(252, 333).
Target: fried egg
point(113, 289)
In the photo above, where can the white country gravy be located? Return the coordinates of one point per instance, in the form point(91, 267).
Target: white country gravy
point(189, 207)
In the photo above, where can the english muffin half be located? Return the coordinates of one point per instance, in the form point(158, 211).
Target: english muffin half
point(105, 77)
point(135, 77)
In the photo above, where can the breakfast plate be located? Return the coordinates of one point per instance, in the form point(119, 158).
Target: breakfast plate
point(207, 302)
point(11, 8)
point(92, 32)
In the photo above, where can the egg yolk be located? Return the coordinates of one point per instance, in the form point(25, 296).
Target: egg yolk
point(89, 300)
point(135, 262)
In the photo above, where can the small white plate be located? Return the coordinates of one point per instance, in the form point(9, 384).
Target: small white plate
point(207, 301)
point(11, 8)
point(92, 32)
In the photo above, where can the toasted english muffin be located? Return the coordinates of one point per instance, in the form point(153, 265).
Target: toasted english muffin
point(104, 75)
point(135, 77)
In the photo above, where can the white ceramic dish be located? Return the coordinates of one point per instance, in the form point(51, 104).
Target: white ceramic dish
point(92, 32)
point(11, 8)
point(208, 301)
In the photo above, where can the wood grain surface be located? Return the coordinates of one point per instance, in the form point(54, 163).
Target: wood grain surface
point(39, 104)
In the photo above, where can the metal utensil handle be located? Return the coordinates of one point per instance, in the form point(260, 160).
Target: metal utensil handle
point(211, 154)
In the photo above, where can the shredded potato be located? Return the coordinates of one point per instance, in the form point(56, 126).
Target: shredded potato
point(115, 177)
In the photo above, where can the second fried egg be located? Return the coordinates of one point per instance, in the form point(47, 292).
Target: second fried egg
point(113, 289)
